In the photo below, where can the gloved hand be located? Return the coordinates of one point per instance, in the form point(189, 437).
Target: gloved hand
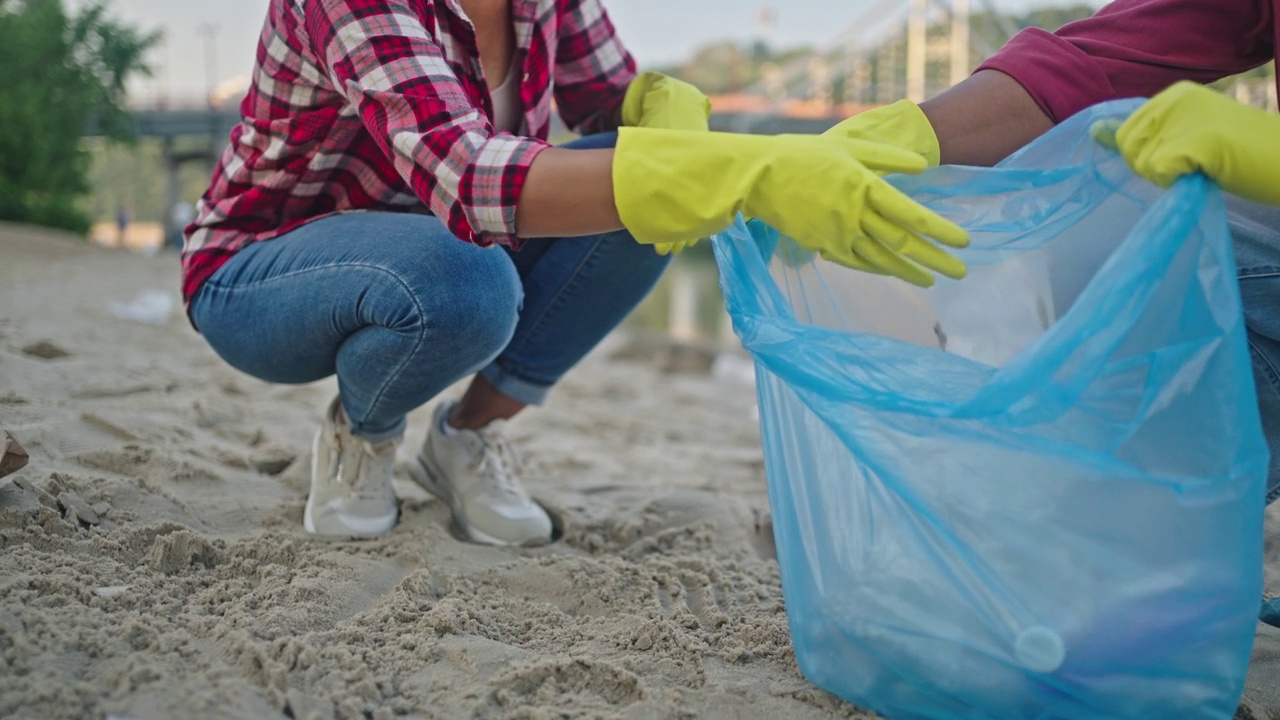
point(902, 124)
point(672, 186)
point(655, 100)
point(1189, 128)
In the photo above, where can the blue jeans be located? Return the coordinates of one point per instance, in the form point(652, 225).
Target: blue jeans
point(1256, 233)
point(1271, 612)
point(400, 309)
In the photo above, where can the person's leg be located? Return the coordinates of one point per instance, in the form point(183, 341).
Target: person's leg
point(576, 290)
point(1255, 233)
point(392, 303)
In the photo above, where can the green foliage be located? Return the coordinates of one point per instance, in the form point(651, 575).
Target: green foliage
point(61, 71)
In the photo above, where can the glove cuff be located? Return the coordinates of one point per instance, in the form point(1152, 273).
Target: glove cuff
point(902, 124)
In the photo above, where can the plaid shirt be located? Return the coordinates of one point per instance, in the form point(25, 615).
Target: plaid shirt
point(382, 105)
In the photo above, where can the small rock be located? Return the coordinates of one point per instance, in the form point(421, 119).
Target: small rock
point(45, 350)
point(644, 642)
point(72, 501)
point(45, 498)
point(71, 517)
point(271, 459)
point(18, 498)
point(102, 508)
point(13, 457)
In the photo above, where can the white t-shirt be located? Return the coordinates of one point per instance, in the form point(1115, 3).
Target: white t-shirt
point(508, 111)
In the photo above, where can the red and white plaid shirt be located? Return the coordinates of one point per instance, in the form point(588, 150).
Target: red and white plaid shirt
point(382, 104)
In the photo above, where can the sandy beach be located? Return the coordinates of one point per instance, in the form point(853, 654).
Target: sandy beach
point(153, 562)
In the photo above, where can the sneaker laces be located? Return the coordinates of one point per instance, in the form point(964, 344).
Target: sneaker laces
point(366, 485)
point(499, 464)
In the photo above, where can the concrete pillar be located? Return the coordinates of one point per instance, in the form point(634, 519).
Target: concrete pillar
point(682, 318)
point(917, 38)
point(172, 190)
point(959, 40)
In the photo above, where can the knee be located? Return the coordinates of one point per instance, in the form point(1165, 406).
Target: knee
point(470, 305)
point(479, 323)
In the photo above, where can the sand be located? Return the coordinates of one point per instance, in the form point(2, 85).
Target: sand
point(153, 564)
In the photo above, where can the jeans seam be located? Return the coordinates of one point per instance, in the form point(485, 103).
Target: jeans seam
point(1272, 374)
point(1274, 378)
point(422, 329)
point(537, 324)
point(1257, 273)
point(212, 282)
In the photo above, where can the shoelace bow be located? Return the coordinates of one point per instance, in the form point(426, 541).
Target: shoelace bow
point(363, 485)
point(499, 462)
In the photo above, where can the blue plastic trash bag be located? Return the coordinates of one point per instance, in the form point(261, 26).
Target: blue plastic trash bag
point(1063, 517)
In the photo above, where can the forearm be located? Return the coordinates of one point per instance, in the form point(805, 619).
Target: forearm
point(984, 119)
point(1130, 48)
point(568, 193)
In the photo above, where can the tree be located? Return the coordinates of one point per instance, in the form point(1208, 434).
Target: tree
point(61, 72)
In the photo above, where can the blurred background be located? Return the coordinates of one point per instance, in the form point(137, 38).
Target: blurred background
point(161, 81)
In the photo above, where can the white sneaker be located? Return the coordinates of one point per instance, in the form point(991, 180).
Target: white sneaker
point(351, 491)
point(477, 473)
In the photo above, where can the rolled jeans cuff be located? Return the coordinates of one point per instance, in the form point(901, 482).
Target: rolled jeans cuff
point(516, 388)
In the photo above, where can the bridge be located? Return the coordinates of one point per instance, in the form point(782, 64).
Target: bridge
point(207, 126)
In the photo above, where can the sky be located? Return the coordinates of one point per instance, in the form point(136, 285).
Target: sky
point(656, 31)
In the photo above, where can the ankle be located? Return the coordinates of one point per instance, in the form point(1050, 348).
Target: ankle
point(481, 404)
point(460, 418)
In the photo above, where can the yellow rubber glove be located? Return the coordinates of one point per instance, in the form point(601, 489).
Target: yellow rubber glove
point(655, 100)
point(672, 186)
point(1189, 128)
point(902, 124)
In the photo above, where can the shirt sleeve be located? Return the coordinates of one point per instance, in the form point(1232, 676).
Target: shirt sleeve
point(593, 68)
point(1136, 48)
point(383, 60)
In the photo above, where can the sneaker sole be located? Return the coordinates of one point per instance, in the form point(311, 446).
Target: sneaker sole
point(351, 527)
point(421, 473)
